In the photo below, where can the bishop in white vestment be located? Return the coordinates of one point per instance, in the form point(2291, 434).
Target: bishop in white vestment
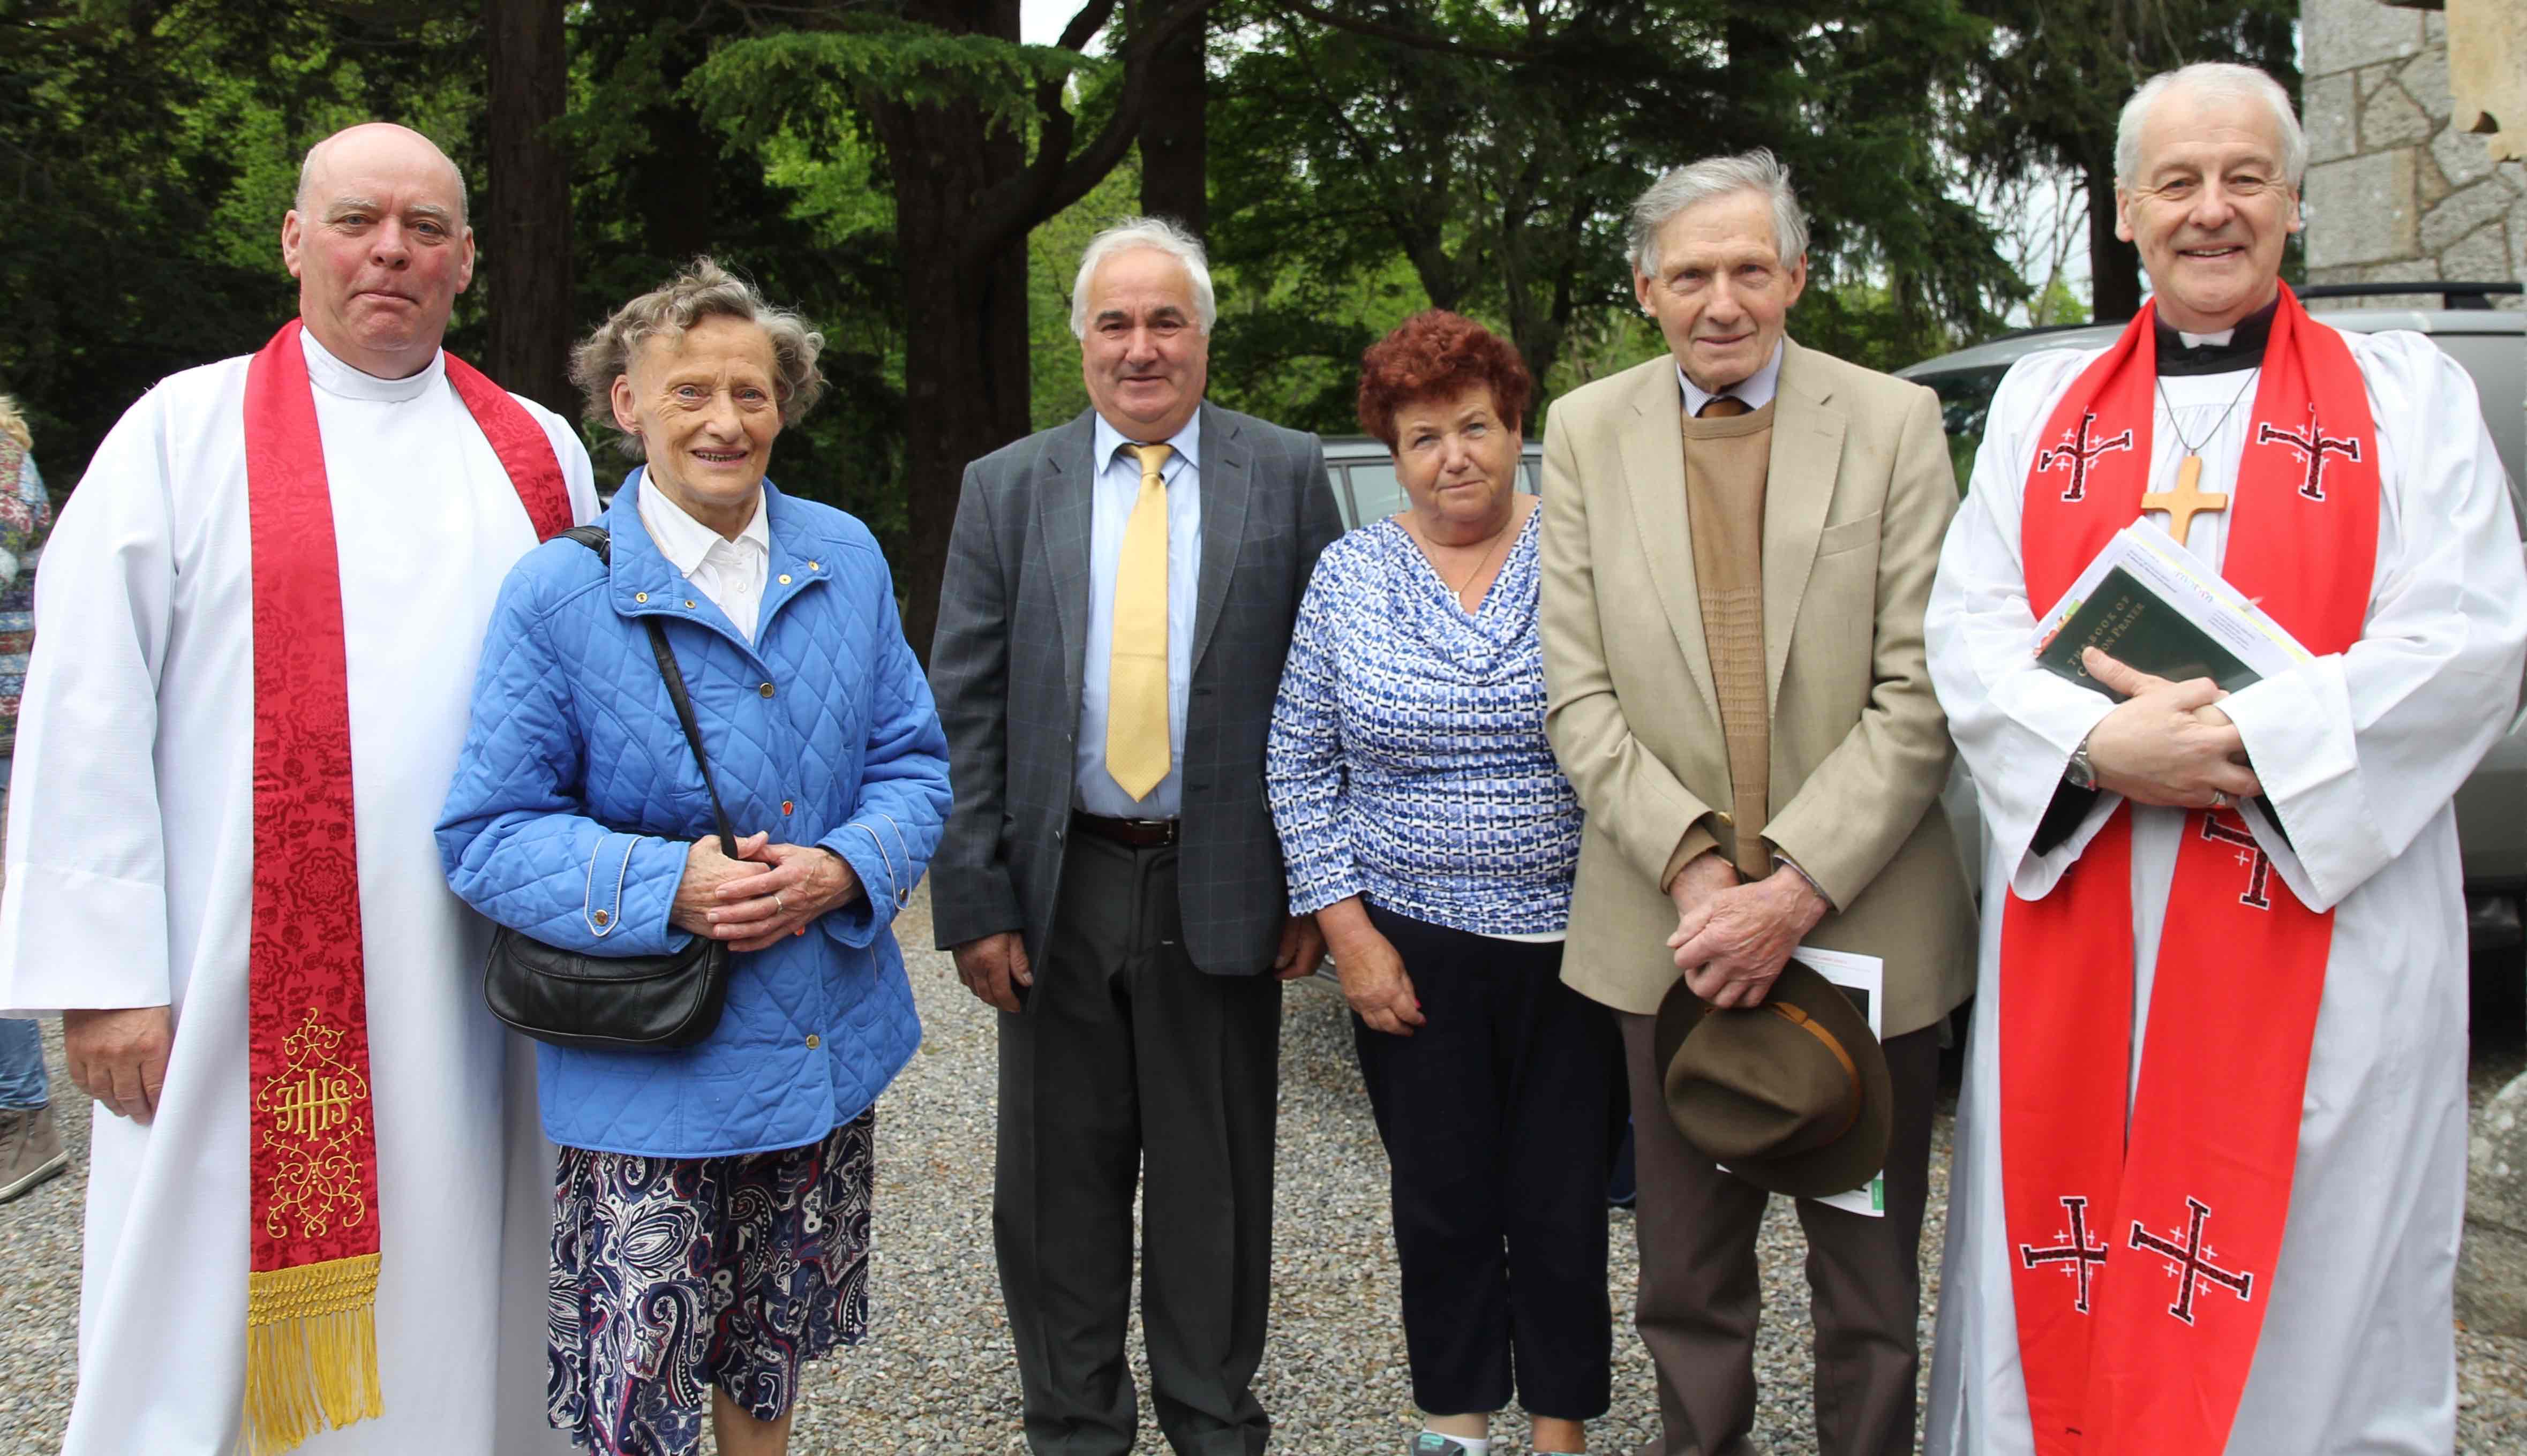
point(2359, 751)
point(132, 847)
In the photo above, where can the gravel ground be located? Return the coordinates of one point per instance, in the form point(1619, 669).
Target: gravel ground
point(936, 1378)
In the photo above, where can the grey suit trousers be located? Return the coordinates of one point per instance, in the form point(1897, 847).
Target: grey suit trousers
point(1125, 1064)
point(1701, 1291)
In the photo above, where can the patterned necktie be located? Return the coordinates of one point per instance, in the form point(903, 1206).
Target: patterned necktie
point(1137, 753)
point(1723, 407)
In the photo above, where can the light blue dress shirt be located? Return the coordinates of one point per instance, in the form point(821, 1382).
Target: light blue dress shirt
point(1756, 390)
point(1119, 485)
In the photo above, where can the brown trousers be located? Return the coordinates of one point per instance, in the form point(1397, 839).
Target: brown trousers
point(1701, 1293)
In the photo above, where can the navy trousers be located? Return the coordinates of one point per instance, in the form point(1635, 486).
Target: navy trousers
point(1500, 1117)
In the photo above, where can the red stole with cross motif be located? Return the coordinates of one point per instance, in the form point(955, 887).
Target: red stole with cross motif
point(2142, 1251)
point(311, 1332)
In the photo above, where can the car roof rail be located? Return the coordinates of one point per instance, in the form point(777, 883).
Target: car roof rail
point(2453, 295)
point(2042, 329)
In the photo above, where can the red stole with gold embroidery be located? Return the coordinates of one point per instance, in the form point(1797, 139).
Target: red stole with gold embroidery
point(311, 1333)
point(2142, 1251)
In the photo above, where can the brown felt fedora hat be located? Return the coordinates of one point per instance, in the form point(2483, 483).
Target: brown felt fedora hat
point(1791, 1095)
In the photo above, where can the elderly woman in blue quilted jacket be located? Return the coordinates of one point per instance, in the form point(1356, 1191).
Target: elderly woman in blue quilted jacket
point(711, 1206)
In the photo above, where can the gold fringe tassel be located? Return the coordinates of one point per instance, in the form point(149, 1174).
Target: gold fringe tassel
point(311, 1351)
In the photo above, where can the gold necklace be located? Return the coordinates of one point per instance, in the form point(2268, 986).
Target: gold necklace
point(1458, 590)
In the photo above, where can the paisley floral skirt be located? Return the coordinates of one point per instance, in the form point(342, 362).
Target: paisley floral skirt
point(671, 1275)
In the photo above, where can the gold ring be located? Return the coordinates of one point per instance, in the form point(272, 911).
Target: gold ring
point(777, 908)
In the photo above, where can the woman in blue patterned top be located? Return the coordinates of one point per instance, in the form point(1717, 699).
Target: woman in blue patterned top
point(1426, 823)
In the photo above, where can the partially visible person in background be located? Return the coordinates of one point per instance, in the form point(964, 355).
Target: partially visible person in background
point(30, 1148)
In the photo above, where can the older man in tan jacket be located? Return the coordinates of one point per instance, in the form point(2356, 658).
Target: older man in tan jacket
point(1738, 545)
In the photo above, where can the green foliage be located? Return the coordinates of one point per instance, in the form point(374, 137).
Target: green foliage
point(1497, 151)
point(1053, 265)
point(1289, 344)
point(147, 152)
point(2056, 73)
point(674, 161)
point(751, 87)
point(2058, 305)
point(1369, 158)
point(2046, 89)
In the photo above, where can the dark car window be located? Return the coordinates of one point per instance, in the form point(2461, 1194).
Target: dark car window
point(1965, 404)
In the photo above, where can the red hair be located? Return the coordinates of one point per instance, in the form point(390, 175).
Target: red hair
point(1437, 354)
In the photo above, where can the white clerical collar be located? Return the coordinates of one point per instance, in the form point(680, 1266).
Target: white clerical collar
point(1187, 442)
point(1756, 390)
point(2198, 340)
point(335, 378)
point(685, 541)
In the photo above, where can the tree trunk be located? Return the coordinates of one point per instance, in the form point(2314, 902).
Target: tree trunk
point(966, 195)
point(2114, 265)
point(526, 232)
point(966, 375)
point(675, 190)
point(1174, 137)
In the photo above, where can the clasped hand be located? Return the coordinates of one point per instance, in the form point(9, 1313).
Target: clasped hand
point(767, 891)
point(1732, 937)
point(2166, 744)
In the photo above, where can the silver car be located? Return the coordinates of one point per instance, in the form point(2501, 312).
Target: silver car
point(2492, 345)
point(1366, 488)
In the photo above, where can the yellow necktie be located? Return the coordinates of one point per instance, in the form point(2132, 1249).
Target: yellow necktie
point(1137, 753)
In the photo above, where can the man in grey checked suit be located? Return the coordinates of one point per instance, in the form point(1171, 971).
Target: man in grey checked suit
point(1109, 879)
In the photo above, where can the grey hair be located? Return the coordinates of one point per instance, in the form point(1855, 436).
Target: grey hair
point(307, 182)
point(2223, 80)
point(1696, 183)
point(702, 290)
point(14, 424)
point(1146, 232)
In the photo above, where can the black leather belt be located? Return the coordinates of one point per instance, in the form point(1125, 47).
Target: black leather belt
point(1134, 833)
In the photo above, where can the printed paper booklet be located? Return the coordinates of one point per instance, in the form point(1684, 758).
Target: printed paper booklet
point(2148, 603)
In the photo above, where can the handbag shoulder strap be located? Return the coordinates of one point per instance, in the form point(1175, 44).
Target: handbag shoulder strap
point(595, 538)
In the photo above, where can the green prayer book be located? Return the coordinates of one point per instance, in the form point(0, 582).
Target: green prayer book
point(2134, 624)
point(2151, 606)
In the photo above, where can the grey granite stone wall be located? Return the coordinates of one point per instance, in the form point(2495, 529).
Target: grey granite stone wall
point(2394, 192)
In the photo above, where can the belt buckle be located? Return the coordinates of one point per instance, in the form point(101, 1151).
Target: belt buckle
point(1160, 831)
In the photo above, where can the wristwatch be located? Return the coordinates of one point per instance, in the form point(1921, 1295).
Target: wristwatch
point(2080, 774)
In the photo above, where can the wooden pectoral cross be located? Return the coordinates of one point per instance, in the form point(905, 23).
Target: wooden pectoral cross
point(2185, 502)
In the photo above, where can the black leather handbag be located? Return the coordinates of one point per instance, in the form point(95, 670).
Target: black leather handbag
point(617, 1003)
